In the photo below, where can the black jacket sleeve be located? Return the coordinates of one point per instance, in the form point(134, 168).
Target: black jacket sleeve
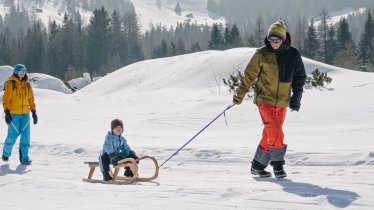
point(298, 82)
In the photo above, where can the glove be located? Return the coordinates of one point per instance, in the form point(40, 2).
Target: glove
point(295, 101)
point(236, 100)
point(34, 117)
point(133, 156)
point(113, 159)
point(8, 117)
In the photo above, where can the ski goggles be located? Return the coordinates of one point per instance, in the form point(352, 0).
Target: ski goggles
point(22, 70)
point(276, 41)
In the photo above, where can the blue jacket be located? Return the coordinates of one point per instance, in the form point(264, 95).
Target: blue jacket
point(117, 145)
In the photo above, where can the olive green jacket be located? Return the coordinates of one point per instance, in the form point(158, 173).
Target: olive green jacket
point(274, 74)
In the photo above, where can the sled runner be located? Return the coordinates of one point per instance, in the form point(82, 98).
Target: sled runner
point(116, 179)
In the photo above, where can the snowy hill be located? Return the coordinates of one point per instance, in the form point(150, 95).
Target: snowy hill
point(192, 11)
point(148, 11)
point(163, 103)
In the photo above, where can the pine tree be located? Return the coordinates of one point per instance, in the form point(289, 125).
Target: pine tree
point(178, 9)
point(259, 31)
point(236, 40)
point(115, 34)
point(163, 48)
point(251, 41)
point(323, 30)
point(347, 57)
point(5, 53)
point(215, 42)
point(343, 34)
point(71, 73)
point(299, 33)
point(98, 32)
point(181, 46)
point(227, 37)
point(195, 47)
point(311, 43)
point(173, 49)
point(331, 45)
point(366, 44)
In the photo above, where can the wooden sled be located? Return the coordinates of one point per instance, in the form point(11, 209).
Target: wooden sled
point(116, 179)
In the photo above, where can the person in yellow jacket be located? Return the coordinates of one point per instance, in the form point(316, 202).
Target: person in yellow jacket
point(275, 69)
point(18, 101)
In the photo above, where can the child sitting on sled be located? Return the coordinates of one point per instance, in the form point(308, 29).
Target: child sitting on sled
point(115, 148)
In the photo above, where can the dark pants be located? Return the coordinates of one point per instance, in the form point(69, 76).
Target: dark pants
point(105, 161)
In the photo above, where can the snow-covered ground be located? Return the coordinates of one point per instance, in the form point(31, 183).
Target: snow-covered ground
point(163, 103)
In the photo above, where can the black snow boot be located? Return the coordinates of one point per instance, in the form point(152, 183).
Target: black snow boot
point(278, 169)
point(259, 169)
point(106, 176)
point(128, 172)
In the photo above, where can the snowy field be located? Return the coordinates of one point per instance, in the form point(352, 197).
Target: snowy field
point(164, 102)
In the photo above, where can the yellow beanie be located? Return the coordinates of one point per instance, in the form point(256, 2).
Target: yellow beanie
point(277, 29)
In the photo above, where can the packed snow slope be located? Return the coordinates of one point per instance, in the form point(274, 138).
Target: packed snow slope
point(164, 102)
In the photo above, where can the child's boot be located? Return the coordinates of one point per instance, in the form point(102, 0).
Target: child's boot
point(106, 176)
point(128, 172)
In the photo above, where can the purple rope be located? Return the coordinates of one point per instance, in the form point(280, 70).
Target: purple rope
point(222, 113)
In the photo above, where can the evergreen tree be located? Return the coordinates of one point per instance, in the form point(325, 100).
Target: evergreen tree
point(178, 9)
point(299, 36)
point(132, 38)
point(347, 57)
point(227, 37)
point(5, 54)
point(163, 48)
point(181, 46)
point(311, 43)
point(259, 30)
point(366, 44)
point(323, 30)
point(173, 49)
point(115, 34)
point(331, 46)
point(161, 51)
point(215, 42)
point(251, 41)
point(236, 40)
point(35, 47)
point(98, 32)
point(343, 34)
point(195, 47)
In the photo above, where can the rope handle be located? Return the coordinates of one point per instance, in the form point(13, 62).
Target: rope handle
point(222, 113)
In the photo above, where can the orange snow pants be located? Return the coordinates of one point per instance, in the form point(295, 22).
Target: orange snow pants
point(272, 118)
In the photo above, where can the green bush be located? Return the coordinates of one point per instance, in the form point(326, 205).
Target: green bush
point(318, 79)
point(234, 81)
